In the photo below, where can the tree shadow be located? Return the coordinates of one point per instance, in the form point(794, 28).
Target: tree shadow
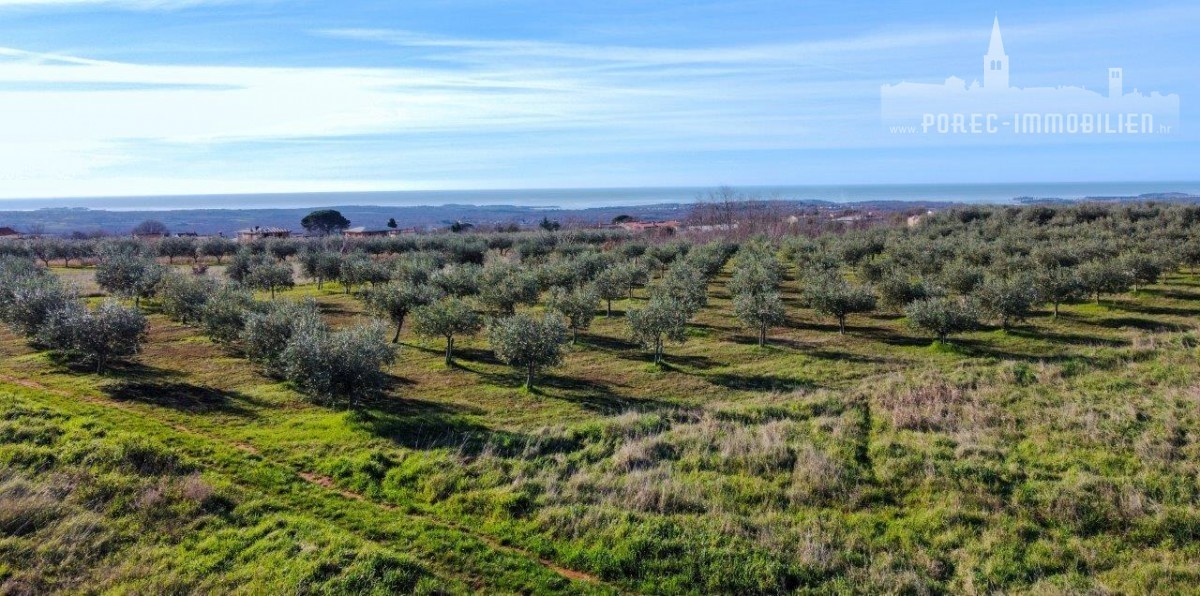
point(421, 424)
point(604, 342)
point(759, 382)
point(1074, 339)
point(1146, 309)
point(1139, 323)
point(182, 396)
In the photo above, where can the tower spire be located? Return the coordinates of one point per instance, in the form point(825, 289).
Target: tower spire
point(996, 46)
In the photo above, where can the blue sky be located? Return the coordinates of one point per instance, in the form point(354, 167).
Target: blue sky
point(133, 97)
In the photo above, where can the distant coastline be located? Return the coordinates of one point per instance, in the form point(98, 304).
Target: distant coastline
point(585, 198)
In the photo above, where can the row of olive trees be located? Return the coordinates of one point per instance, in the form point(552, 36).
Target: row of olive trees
point(36, 304)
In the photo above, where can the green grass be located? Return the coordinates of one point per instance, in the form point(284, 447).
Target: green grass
point(1057, 456)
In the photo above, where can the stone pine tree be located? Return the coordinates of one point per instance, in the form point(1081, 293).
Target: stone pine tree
point(448, 318)
point(529, 343)
point(325, 221)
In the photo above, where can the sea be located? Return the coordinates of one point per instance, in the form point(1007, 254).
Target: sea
point(582, 198)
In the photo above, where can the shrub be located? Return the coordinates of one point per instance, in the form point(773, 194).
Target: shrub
point(663, 319)
point(95, 337)
point(339, 365)
point(448, 318)
point(942, 316)
point(760, 311)
point(529, 343)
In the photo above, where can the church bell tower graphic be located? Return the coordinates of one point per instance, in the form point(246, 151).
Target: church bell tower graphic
point(993, 106)
point(995, 62)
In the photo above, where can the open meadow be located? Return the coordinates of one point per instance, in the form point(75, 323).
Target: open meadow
point(1059, 454)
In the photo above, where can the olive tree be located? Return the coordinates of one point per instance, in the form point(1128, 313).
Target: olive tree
point(458, 280)
point(265, 335)
point(1056, 285)
point(129, 275)
point(832, 296)
point(611, 285)
point(394, 301)
point(662, 319)
point(942, 316)
point(1142, 269)
point(358, 269)
point(529, 343)
point(448, 318)
point(1104, 277)
point(761, 311)
point(897, 291)
point(182, 297)
point(685, 286)
point(217, 248)
point(28, 300)
point(270, 276)
point(176, 247)
point(321, 265)
point(503, 287)
point(577, 305)
point(1007, 299)
point(224, 314)
point(95, 337)
point(335, 366)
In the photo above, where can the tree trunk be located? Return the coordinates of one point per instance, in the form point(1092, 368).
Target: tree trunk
point(842, 325)
point(762, 336)
point(574, 335)
point(449, 349)
point(609, 314)
point(529, 378)
point(396, 338)
point(272, 292)
point(1056, 309)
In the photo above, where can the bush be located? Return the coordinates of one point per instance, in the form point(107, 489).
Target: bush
point(529, 343)
point(942, 316)
point(338, 366)
point(95, 337)
point(448, 318)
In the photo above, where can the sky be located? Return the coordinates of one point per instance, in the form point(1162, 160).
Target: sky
point(150, 97)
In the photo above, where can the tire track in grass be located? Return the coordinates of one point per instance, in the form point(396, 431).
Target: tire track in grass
point(325, 483)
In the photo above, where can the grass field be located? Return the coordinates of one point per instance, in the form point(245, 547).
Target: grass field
point(1060, 455)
